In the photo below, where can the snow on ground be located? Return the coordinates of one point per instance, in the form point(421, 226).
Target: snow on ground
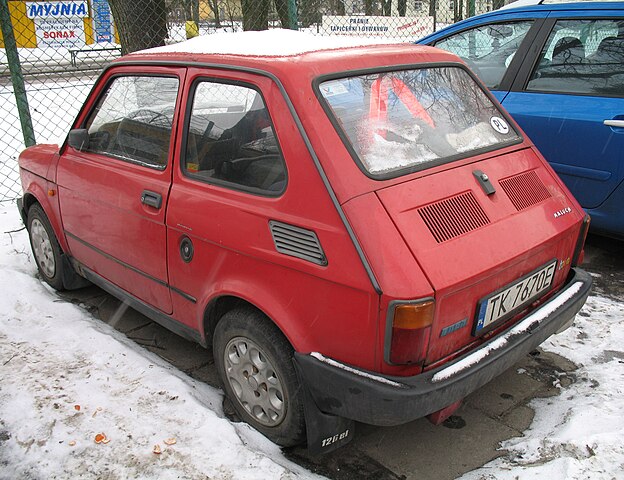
point(580, 433)
point(56, 358)
point(67, 377)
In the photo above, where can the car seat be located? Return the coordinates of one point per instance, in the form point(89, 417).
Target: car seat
point(568, 51)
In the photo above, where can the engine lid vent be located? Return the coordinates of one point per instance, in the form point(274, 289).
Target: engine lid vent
point(525, 189)
point(453, 216)
point(297, 242)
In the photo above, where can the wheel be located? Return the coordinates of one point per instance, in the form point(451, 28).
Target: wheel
point(254, 361)
point(45, 247)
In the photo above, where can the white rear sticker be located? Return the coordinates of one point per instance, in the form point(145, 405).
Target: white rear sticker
point(499, 125)
point(333, 88)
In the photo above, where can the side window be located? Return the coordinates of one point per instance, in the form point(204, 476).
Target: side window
point(582, 56)
point(231, 140)
point(488, 50)
point(133, 118)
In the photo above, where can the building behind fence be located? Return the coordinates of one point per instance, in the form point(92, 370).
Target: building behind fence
point(51, 52)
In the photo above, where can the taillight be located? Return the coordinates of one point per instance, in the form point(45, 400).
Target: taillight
point(579, 252)
point(408, 331)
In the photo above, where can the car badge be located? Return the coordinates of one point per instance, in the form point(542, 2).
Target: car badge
point(562, 212)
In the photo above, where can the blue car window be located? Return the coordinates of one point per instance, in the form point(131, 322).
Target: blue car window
point(488, 50)
point(582, 57)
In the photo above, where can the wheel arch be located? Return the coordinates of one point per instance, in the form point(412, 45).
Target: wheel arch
point(219, 306)
point(36, 195)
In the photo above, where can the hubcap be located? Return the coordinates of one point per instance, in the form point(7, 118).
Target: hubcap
point(42, 248)
point(254, 381)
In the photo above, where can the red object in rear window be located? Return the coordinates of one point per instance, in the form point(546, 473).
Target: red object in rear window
point(406, 120)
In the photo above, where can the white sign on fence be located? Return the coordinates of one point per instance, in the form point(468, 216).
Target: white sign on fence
point(58, 24)
point(60, 32)
point(391, 27)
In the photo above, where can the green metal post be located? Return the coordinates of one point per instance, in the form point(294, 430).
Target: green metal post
point(16, 74)
point(471, 8)
point(293, 21)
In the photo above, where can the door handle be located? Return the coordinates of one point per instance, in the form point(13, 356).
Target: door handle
point(614, 123)
point(151, 199)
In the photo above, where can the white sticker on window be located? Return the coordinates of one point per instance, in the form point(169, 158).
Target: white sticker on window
point(499, 125)
point(333, 88)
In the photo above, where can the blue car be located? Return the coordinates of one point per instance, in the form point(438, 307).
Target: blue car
point(559, 70)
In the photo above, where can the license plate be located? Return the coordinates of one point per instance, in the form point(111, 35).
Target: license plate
point(508, 301)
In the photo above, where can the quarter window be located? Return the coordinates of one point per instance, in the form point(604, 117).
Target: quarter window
point(488, 50)
point(583, 57)
point(132, 120)
point(231, 140)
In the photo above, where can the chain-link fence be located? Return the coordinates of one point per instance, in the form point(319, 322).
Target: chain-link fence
point(52, 51)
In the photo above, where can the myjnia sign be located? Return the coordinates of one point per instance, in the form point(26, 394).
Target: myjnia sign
point(57, 9)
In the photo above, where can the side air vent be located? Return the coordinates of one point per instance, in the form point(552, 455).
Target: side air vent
point(297, 242)
point(525, 189)
point(453, 216)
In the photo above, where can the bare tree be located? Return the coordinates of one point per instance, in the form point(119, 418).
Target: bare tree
point(369, 7)
point(402, 7)
point(256, 14)
point(386, 8)
point(496, 4)
point(432, 8)
point(337, 7)
point(214, 6)
point(140, 23)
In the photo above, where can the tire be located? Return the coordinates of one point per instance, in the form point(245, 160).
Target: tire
point(45, 247)
point(254, 361)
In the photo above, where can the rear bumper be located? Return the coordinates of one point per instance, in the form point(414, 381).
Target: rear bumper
point(375, 399)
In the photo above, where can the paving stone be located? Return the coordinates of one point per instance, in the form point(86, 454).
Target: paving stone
point(420, 450)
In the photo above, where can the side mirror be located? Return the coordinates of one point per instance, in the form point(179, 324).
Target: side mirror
point(79, 139)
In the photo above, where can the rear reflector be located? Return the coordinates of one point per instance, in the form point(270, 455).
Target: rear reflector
point(579, 252)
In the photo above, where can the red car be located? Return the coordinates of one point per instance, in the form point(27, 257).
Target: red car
point(357, 232)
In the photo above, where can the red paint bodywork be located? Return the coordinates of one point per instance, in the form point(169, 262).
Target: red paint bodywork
point(333, 309)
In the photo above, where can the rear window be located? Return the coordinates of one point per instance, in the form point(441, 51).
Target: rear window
point(402, 121)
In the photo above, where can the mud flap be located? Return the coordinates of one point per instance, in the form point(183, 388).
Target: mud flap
point(441, 415)
point(71, 279)
point(325, 433)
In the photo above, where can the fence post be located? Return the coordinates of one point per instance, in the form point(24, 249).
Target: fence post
point(292, 15)
point(16, 74)
point(471, 8)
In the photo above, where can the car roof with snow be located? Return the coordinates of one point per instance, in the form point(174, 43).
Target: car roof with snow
point(280, 50)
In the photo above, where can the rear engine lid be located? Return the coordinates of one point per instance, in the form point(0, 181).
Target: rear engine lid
point(484, 233)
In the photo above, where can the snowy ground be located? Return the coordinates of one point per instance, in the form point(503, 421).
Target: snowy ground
point(580, 433)
point(67, 377)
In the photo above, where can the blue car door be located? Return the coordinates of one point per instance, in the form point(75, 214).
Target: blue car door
point(564, 85)
point(570, 101)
